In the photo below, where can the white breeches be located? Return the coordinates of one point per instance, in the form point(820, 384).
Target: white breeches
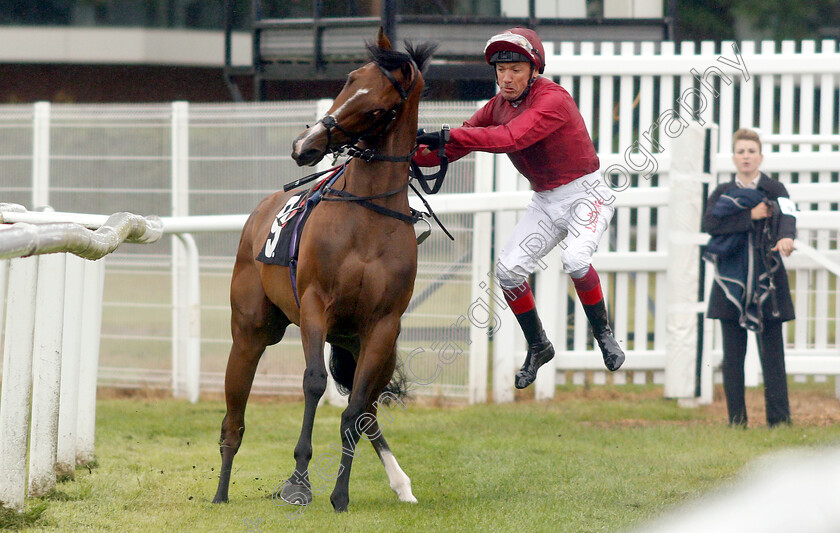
point(574, 216)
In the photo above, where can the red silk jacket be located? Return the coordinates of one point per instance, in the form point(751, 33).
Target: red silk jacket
point(544, 136)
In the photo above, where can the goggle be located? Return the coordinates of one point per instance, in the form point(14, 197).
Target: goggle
point(512, 38)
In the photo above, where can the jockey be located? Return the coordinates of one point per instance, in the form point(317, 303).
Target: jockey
point(537, 124)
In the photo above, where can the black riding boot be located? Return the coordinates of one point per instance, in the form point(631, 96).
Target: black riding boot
point(540, 350)
point(597, 315)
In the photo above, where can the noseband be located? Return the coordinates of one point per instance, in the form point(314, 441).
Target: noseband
point(381, 124)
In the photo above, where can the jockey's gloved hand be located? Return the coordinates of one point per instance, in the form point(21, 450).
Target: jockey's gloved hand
point(432, 140)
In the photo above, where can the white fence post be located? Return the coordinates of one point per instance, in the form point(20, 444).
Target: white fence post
point(482, 278)
point(504, 338)
point(89, 364)
point(41, 155)
point(707, 371)
point(17, 381)
point(70, 358)
point(4, 272)
point(685, 195)
point(710, 360)
point(548, 289)
point(46, 371)
point(192, 344)
point(180, 275)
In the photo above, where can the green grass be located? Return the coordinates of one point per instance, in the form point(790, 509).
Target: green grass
point(600, 459)
point(11, 519)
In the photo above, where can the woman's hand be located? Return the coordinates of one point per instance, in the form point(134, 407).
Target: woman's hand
point(760, 211)
point(784, 246)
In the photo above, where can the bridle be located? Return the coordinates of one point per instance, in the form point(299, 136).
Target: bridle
point(381, 124)
point(327, 193)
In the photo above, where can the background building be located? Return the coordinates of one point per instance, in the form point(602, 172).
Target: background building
point(164, 50)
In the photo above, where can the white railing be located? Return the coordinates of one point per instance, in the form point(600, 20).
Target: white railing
point(51, 352)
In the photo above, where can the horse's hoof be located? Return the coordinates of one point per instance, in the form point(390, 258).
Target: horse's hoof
point(403, 492)
point(296, 494)
point(339, 503)
point(221, 496)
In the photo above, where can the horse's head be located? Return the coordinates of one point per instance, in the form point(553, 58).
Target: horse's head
point(370, 101)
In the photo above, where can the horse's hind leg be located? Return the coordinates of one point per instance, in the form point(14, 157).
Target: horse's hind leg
point(373, 372)
point(398, 480)
point(297, 489)
point(255, 324)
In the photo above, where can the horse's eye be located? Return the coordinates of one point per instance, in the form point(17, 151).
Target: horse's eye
point(376, 113)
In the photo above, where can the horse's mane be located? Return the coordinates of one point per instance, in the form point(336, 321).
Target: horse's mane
point(392, 60)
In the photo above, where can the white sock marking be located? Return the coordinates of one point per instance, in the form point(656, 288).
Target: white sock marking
point(400, 483)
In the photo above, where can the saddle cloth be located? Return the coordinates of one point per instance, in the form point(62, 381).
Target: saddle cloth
point(283, 242)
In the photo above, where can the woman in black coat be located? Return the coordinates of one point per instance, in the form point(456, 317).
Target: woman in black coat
point(736, 217)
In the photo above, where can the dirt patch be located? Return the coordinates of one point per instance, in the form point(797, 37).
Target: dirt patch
point(807, 407)
point(139, 393)
point(157, 394)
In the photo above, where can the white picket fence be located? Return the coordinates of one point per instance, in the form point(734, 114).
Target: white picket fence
point(184, 160)
point(787, 91)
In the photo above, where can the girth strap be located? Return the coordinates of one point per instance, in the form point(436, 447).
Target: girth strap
point(363, 201)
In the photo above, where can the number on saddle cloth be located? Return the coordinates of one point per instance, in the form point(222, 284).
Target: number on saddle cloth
point(278, 246)
point(283, 242)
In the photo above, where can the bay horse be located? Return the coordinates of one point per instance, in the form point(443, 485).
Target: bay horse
point(355, 274)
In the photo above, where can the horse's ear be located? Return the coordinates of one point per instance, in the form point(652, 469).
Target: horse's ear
point(406, 70)
point(382, 40)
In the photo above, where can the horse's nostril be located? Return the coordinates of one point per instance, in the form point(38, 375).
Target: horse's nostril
point(310, 156)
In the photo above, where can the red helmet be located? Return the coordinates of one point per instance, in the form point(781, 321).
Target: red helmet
point(516, 44)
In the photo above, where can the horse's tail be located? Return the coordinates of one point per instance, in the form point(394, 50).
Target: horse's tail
point(397, 389)
point(343, 367)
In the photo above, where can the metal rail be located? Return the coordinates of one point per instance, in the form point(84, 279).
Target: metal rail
point(23, 239)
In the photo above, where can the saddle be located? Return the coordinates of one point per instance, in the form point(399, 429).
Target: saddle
point(283, 242)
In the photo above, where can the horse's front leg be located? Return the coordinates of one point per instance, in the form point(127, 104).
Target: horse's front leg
point(255, 324)
point(373, 372)
point(297, 489)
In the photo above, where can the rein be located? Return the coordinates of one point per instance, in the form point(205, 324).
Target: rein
point(438, 176)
